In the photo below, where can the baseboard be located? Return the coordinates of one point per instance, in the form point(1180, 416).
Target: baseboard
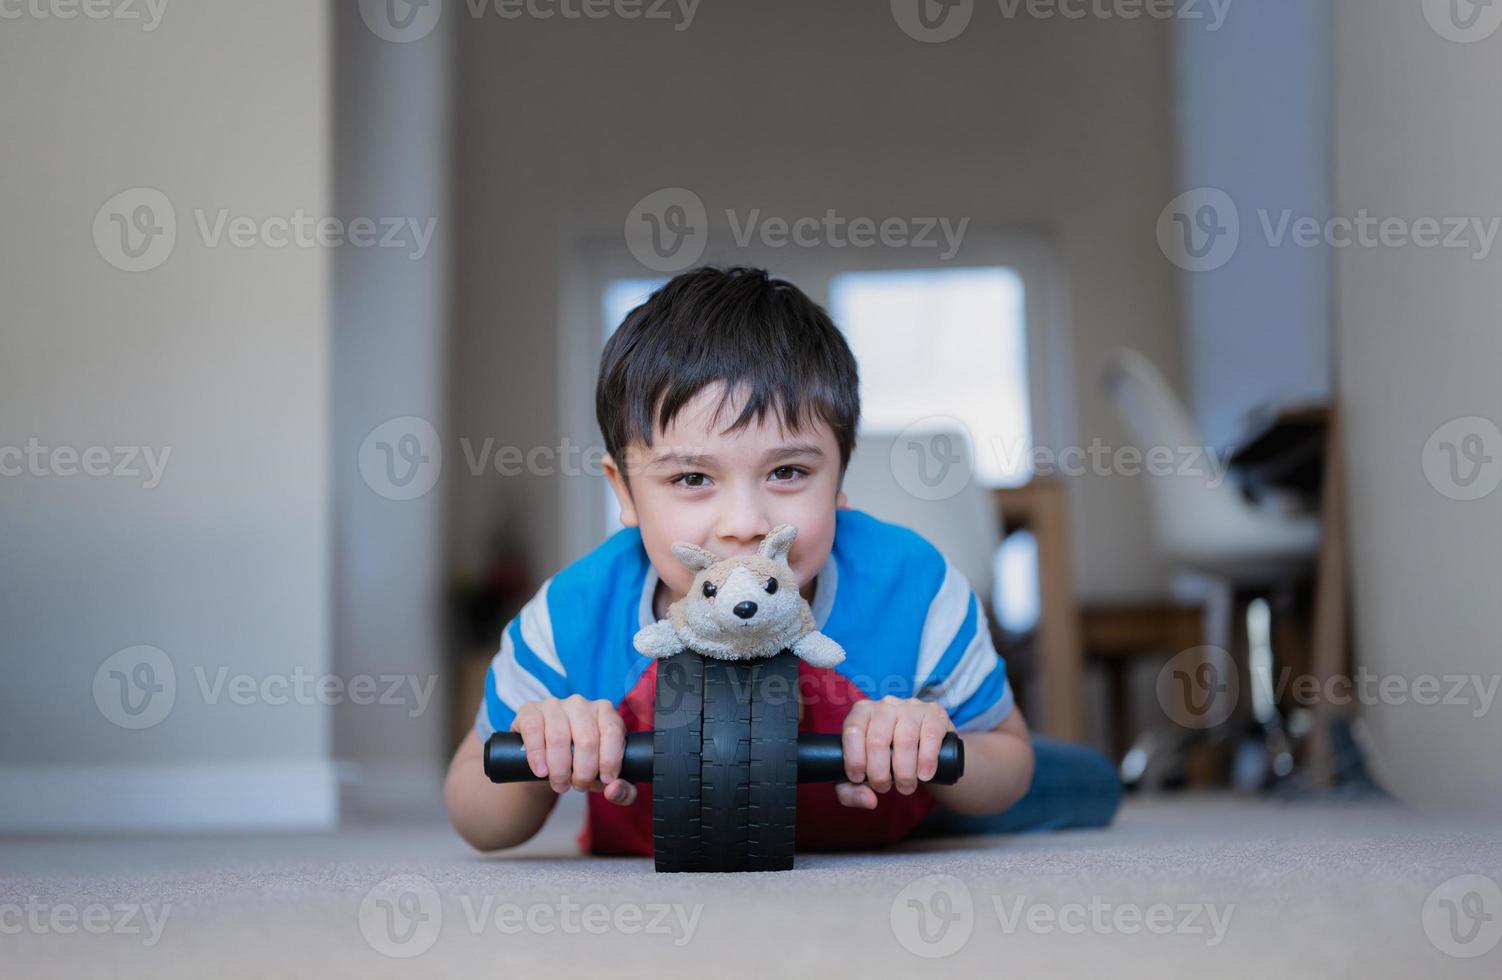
point(253, 796)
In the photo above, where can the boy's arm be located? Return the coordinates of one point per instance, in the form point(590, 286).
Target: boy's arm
point(998, 769)
point(571, 743)
point(490, 816)
point(526, 669)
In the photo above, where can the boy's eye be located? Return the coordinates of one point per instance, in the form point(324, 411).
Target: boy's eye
point(690, 479)
point(771, 586)
point(709, 590)
point(789, 472)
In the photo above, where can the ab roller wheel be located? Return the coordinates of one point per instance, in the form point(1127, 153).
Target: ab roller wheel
point(675, 768)
point(724, 761)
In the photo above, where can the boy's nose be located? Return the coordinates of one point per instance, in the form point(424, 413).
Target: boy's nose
point(745, 610)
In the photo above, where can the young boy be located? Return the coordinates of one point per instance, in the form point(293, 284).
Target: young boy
point(729, 405)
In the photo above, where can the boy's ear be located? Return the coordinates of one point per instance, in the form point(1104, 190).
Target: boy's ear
point(622, 489)
point(778, 542)
point(694, 556)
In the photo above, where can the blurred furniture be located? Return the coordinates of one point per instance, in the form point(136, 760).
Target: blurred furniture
point(1282, 453)
point(1042, 506)
point(1331, 655)
point(1235, 549)
point(1118, 635)
point(1200, 524)
point(1297, 451)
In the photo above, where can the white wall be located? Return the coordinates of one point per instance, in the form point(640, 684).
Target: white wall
point(1060, 127)
point(219, 354)
point(1419, 345)
point(1253, 119)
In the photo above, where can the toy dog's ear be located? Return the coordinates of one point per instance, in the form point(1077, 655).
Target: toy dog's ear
point(778, 542)
point(694, 556)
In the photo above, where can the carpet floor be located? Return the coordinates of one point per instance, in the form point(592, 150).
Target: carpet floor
point(1184, 886)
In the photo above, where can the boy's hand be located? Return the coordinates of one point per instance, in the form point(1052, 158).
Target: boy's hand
point(578, 743)
point(887, 743)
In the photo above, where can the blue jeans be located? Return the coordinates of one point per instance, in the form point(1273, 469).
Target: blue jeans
point(1073, 787)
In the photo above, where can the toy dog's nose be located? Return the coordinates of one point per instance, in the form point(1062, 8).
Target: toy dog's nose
point(745, 610)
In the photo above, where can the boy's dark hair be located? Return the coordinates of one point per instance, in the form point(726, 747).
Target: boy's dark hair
point(738, 326)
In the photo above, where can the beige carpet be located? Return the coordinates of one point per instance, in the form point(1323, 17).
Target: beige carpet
point(1197, 887)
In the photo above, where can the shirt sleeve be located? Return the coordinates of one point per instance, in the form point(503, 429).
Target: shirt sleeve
point(526, 668)
point(958, 666)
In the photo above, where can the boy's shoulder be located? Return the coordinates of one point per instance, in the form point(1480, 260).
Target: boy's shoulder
point(889, 579)
point(860, 538)
point(885, 571)
point(592, 608)
point(620, 561)
point(911, 625)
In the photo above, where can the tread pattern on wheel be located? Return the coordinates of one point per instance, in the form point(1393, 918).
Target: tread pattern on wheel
point(773, 768)
point(724, 766)
point(676, 784)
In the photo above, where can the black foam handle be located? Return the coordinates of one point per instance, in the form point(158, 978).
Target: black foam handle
point(506, 759)
point(821, 759)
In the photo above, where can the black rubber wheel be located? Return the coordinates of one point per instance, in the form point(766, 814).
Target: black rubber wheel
point(725, 766)
point(773, 770)
point(676, 743)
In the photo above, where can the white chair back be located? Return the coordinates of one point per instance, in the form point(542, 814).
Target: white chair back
point(1199, 517)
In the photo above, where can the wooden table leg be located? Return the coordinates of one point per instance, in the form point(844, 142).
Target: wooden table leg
point(1328, 657)
point(1042, 506)
point(1063, 660)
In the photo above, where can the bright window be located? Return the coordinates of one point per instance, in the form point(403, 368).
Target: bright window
point(950, 342)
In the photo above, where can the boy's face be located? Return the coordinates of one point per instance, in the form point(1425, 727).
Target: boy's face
point(724, 493)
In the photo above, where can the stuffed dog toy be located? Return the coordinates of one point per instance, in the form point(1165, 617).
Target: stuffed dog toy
point(741, 609)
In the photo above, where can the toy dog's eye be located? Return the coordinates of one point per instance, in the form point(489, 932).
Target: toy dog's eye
point(771, 586)
point(709, 590)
